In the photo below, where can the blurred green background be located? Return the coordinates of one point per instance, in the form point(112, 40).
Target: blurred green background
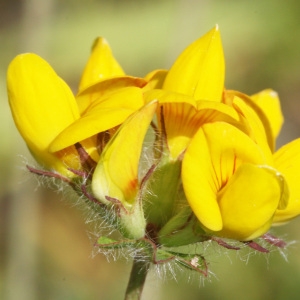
point(45, 250)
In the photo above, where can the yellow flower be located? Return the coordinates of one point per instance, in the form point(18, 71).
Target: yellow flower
point(42, 106)
point(115, 180)
point(52, 120)
point(210, 167)
point(235, 185)
point(229, 183)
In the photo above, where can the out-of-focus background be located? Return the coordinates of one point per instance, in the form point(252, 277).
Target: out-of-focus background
point(45, 250)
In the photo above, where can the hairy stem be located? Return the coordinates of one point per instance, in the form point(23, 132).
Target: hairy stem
point(137, 279)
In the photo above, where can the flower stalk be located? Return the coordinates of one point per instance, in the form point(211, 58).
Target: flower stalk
point(137, 279)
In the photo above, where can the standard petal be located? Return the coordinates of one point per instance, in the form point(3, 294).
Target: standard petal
point(249, 201)
point(269, 103)
point(287, 161)
point(182, 121)
point(116, 174)
point(199, 70)
point(41, 103)
point(212, 157)
point(108, 113)
point(182, 116)
point(101, 65)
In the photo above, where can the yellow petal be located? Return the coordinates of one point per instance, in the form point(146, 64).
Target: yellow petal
point(101, 90)
point(199, 70)
point(287, 161)
point(177, 111)
point(182, 121)
point(116, 174)
point(256, 129)
point(183, 116)
point(200, 192)
point(229, 97)
point(249, 201)
point(42, 105)
point(101, 65)
point(213, 155)
point(111, 111)
point(268, 101)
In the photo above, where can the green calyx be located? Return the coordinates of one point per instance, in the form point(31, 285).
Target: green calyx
point(182, 229)
point(160, 195)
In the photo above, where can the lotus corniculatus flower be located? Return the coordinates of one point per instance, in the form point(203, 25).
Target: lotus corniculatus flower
point(168, 160)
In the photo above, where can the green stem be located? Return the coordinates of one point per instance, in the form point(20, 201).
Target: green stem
point(137, 279)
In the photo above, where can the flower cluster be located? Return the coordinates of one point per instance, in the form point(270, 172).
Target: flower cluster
point(170, 159)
